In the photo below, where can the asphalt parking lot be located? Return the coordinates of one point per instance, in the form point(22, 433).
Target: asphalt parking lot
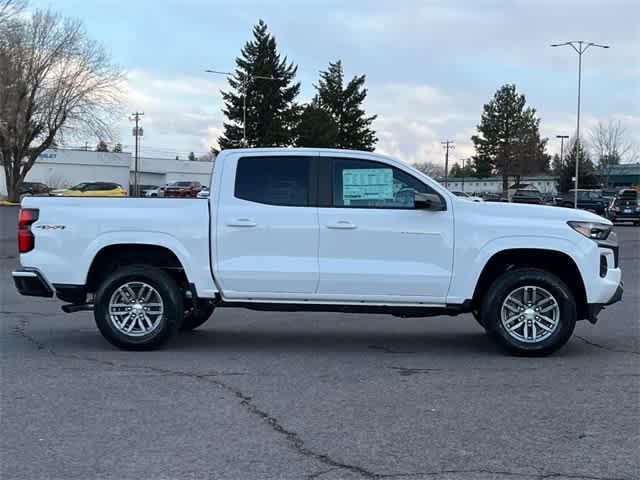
point(257, 395)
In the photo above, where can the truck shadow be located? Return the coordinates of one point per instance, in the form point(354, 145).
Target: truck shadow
point(396, 343)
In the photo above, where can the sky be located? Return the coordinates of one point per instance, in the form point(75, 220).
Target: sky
point(430, 65)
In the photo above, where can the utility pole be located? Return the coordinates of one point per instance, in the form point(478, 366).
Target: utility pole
point(448, 145)
point(137, 132)
point(562, 138)
point(463, 172)
point(580, 46)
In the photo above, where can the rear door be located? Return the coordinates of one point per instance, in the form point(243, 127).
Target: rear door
point(267, 227)
point(374, 245)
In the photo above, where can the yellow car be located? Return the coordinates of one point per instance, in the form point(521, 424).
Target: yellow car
point(92, 189)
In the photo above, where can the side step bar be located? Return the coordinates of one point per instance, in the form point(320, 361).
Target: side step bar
point(83, 307)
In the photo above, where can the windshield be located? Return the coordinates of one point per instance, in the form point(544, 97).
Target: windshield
point(180, 184)
point(80, 186)
point(460, 194)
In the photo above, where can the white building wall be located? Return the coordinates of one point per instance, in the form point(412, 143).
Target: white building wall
point(65, 168)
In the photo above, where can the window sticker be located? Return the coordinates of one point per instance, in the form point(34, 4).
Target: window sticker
point(367, 184)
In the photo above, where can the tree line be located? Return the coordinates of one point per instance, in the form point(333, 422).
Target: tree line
point(262, 108)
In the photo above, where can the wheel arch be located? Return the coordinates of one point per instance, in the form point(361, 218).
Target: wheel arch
point(556, 262)
point(108, 258)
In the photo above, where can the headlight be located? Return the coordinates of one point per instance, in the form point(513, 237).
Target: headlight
point(592, 230)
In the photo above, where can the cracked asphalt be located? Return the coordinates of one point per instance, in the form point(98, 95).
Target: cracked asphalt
point(257, 395)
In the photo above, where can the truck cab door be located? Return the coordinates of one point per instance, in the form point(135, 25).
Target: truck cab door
point(374, 244)
point(266, 233)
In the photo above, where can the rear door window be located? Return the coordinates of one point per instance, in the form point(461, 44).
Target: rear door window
point(281, 180)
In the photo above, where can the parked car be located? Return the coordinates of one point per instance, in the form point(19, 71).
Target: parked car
point(33, 188)
point(494, 197)
point(156, 192)
point(319, 230)
point(625, 207)
point(182, 189)
point(466, 196)
point(144, 189)
point(204, 193)
point(587, 200)
point(92, 189)
point(527, 196)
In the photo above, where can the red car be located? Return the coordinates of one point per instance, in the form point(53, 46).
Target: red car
point(182, 189)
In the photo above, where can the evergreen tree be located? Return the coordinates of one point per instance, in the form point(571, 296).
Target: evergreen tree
point(587, 177)
point(344, 103)
point(192, 157)
point(102, 147)
point(117, 148)
point(481, 166)
point(317, 128)
point(459, 171)
point(509, 138)
point(271, 112)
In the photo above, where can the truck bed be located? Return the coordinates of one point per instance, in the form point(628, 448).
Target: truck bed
point(86, 225)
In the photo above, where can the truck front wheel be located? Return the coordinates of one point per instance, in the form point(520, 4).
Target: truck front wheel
point(138, 307)
point(529, 312)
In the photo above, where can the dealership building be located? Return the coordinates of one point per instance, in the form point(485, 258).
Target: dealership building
point(59, 168)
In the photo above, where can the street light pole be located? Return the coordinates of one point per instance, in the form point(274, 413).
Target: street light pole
point(580, 46)
point(245, 88)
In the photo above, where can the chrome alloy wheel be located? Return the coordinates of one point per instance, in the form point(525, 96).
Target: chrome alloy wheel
point(136, 309)
point(530, 314)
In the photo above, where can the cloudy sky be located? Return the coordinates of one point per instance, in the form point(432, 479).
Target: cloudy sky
point(430, 64)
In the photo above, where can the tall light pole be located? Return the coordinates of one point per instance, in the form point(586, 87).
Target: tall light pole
point(245, 86)
point(580, 46)
point(562, 138)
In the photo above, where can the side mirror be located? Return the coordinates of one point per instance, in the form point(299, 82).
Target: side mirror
point(428, 201)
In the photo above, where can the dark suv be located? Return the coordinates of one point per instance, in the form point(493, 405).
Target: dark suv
point(625, 207)
point(587, 200)
point(527, 196)
point(182, 189)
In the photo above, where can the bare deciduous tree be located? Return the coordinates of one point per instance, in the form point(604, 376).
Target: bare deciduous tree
point(54, 82)
point(9, 8)
point(611, 146)
point(430, 168)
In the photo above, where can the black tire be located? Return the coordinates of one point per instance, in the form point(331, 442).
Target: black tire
point(509, 282)
point(478, 318)
point(169, 322)
point(197, 316)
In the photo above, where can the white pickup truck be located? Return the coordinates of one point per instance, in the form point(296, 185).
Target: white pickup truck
point(319, 230)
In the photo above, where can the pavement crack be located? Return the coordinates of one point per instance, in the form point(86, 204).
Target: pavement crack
point(387, 349)
point(407, 372)
point(245, 401)
point(604, 347)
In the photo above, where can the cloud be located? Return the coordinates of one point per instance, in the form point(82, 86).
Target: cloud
point(179, 112)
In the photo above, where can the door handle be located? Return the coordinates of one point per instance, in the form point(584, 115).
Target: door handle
point(241, 222)
point(342, 225)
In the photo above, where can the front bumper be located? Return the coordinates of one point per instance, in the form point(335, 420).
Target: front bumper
point(595, 308)
point(31, 283)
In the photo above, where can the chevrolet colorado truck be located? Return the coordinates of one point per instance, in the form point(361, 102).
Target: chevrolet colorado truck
point(319, 230)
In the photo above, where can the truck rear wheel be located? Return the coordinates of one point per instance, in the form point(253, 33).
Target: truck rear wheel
point(529, 311)
point(197, 316)
point(138, 307)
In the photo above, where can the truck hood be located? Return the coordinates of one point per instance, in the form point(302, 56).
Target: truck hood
point(521, 211)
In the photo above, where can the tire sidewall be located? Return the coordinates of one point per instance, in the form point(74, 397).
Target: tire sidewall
point(510, 281)
point(172, 304)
